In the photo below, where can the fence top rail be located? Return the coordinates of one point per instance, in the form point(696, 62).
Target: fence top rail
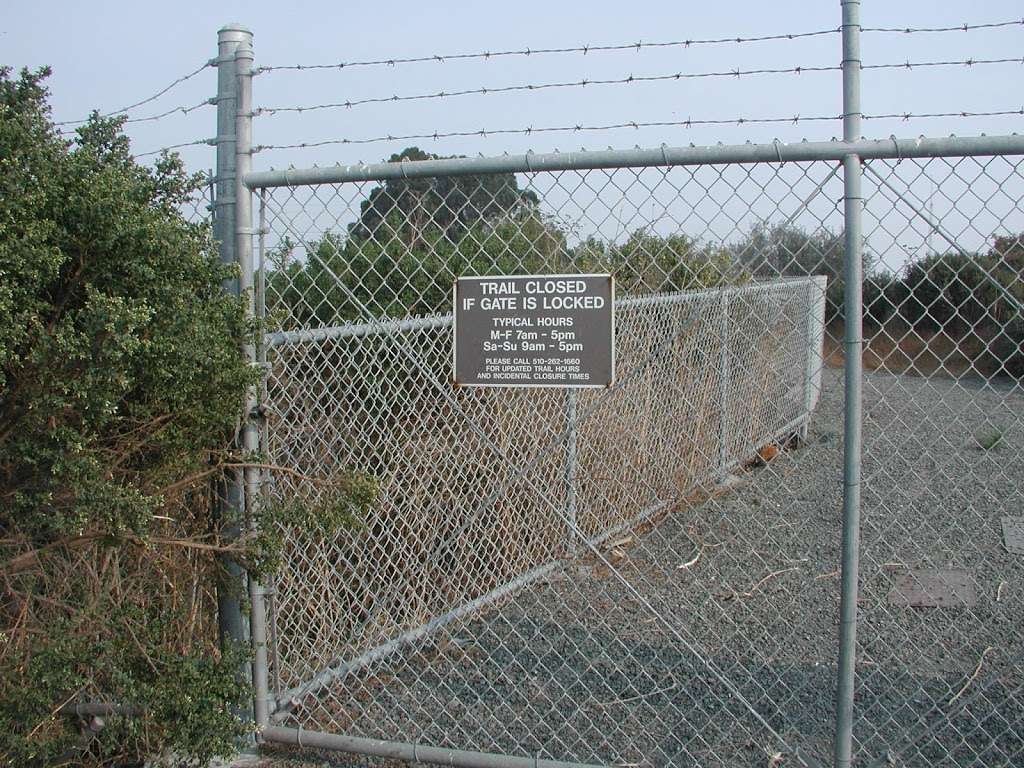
point(430, 322)
point(775, 152)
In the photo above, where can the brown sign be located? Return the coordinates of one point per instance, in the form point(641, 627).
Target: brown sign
point(534, 331)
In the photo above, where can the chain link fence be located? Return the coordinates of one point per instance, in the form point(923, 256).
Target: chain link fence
point(648, 574)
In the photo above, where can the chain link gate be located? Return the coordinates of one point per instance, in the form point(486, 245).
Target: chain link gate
point(650, 574)
point(644, 581)
point(525, 543)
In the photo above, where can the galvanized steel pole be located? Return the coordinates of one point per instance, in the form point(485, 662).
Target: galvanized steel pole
point(853, 204)
point(571, 461)
point(250, 432)
point(412, 753)
point(663, 157)
point(723, 391)
point(233, 231)
point(231, 588)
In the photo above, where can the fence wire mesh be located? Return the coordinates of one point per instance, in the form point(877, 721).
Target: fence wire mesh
point(647, 575)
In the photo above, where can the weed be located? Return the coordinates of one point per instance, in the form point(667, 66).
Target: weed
point(989, 439)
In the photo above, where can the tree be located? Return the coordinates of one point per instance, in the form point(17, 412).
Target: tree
point(946, 291)
point(788, 250)
point(403, 209)
point(119, 358)
point(650, 263)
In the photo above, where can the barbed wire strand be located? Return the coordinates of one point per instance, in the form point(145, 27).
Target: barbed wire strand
point(146, 100)
point(584, 49)
point(959, 28)
point(689, 123)
point(915, 116)
point(393, 61)
point(195, 143)
point(625, 81)
point(151, 118)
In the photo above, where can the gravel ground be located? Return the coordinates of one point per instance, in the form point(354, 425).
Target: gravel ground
point(713, 639)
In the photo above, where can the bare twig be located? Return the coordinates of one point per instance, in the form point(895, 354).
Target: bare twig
point(761, 583)
point(25, 558)
point(283, 470)
point(692, 561)
point(666, 689)
point(973, 677)
point(52, 714)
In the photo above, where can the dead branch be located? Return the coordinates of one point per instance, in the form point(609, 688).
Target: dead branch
point(647, 695)
point(761, 583)
point(692, 561)
point(973, 677)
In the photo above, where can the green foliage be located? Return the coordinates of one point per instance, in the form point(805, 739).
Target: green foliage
point(990, 439)
point(880, 297)
point(120, 374)
point(787, 250)
point(30, 734)
point(340, 275)
point(946, 291)
point(414, 237)
point(182, 703)
point(404, 209)
point(966, 296)
point(342, 504)
point(650, 263)
point(769, 251)
point(119, 361)
point(121, 387)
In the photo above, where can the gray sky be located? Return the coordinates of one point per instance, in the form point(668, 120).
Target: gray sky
point(107, 54)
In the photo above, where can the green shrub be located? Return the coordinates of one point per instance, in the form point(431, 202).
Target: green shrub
point(121, 386)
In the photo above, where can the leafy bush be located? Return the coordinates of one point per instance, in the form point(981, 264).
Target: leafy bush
point(945, 291)
point(787, 250)
point(121, 386)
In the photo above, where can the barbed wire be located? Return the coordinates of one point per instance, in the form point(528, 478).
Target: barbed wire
point(484, 133)
point(923, 115)
point(349, 104)
point(184, 110)
point(946, 63)
point(960, 28)
point(392, 61)
point(634, 124)
point(583, 49)
point(146, 100)
point(197, 142)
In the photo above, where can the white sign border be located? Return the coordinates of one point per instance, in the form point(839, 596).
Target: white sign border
point(455, 334)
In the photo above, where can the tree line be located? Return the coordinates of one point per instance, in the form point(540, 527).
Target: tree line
point(412, 238)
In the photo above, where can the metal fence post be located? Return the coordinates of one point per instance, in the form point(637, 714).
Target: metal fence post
point(812, 367)
point(853, 316)
point(233, 231)
point(723, 365)
point(229, 591)
point(250, 433)
point(571, 470)
point(809, 361)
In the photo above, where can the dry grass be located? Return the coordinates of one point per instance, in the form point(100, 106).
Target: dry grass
point(151, 597)
point(453, 518)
